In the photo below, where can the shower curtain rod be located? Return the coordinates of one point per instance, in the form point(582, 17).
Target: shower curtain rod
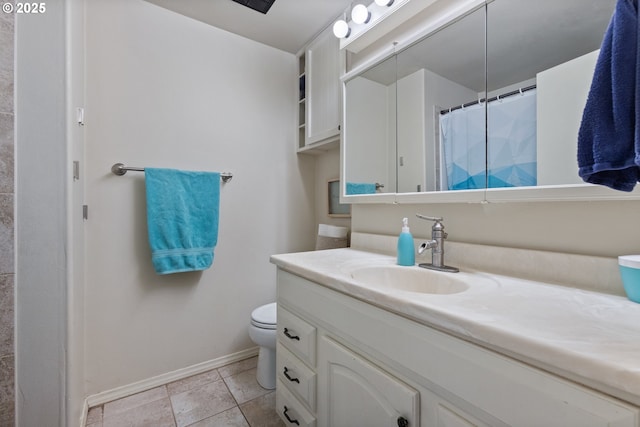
point(120, 169)
point(495, 98)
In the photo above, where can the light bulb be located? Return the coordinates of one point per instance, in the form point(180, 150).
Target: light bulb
point(341, 29)
point(360, 14)
point(384, 2)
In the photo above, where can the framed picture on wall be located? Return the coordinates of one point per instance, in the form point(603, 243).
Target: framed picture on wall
point(336, 209)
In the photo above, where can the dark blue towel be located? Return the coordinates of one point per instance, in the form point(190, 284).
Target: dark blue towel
point(609, 136)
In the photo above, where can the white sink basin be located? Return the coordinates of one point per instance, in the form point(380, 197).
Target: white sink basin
point(409, 279)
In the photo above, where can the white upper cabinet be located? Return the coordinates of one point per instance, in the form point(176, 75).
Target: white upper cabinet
point(320, 92)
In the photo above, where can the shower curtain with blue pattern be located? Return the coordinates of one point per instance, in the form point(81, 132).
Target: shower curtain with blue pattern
point(511, 144)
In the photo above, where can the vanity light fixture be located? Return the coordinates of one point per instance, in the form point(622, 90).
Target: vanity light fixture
point(341, 29)
point(384, 2)
point(360, 14)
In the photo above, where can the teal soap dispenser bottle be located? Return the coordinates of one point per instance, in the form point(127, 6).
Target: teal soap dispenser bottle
point(406, 250)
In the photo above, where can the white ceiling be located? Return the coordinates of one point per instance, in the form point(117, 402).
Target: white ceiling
point(287, 26)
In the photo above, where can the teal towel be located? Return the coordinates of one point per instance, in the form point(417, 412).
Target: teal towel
point(182, 218)
point(360, 188)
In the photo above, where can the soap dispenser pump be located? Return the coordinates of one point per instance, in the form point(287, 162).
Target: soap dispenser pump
point(406, 250)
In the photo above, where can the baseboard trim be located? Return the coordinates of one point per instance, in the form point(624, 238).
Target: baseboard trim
point(149, 383)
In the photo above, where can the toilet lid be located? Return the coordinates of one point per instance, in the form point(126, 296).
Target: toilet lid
point(264, 316)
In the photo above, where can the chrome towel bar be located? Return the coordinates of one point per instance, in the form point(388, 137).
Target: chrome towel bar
point(120, 169)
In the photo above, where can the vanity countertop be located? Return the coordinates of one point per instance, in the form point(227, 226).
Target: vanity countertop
point(588, 337)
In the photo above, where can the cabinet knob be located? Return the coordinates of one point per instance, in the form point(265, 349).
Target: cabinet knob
point(403, 422)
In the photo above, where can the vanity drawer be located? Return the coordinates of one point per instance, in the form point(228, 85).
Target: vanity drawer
point(292, 412)
point(296, 376)
point(297, 335)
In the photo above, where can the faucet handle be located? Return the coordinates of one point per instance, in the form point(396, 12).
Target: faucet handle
point(437, 226)
point(430, 218)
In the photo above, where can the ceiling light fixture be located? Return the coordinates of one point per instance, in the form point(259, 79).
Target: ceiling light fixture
point(341, 29)
point(360, 14)
point(384, 2)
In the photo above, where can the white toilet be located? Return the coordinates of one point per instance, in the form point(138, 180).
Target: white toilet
point(262, 331)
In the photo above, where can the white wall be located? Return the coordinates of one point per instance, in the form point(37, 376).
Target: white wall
point(167, 91)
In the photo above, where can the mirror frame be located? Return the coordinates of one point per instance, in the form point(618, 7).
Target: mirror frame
point(430, 23)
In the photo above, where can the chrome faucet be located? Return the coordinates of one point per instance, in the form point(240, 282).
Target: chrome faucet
point(436, 244)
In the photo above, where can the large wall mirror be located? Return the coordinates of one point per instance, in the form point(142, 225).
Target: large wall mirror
point(491, 101)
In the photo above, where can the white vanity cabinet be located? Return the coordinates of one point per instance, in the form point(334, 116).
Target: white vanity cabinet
point(360, 365)
point(319, 103)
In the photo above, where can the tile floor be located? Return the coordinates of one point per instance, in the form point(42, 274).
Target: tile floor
point(228, 396)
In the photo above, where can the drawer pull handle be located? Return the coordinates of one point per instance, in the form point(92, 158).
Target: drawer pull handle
point(291, 337)
point(286, 374)
point(403, 422)
point(292, 421)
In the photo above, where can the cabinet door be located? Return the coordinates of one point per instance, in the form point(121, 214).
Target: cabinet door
point(353, 392)
point(323, 88)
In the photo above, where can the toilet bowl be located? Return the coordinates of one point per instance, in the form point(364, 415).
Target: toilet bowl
point(262, 331)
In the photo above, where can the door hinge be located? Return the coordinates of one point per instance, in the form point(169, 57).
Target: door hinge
point(85, 212)
point(76, 170)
